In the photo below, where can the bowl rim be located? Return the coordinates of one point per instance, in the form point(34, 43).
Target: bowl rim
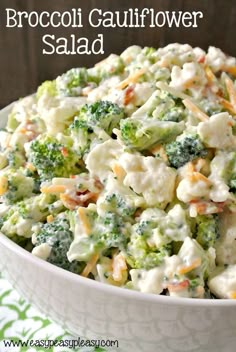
point(114, 291)
point(103, 287)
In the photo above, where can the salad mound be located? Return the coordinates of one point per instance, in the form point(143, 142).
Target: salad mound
point(125, 173)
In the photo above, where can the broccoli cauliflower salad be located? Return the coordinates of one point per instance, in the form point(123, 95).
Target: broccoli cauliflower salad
point(125, 173)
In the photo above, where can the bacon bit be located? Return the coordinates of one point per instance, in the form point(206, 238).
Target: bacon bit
point(179, 286)
point(186, 268)
point(197, 176)
point(195, 110)
point(84, 197)
point(118, 171)
point(227, 105)
point(64, 152)
point(201, 59)
point(84, 220)
point(202, 208)
point(129, 95)
point(73, 176)
point(158, 149)
point(50, 218)
point(90, 265)
point(3, 185)
point(231, 90)
point(30, 167)
point(98, 184)
point(68, 202)
point(118, 265)
point(78, 199)
point(138, 212)
point(131, 79)
point(232, 295)
point(53, 189)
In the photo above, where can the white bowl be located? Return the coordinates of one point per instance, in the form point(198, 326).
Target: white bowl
point(140, 322)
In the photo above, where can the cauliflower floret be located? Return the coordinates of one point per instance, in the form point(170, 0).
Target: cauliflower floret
point(103, 90)
point(191, 74)
point(105, 272)
point(23, 110)
point(178, 54)
point(150, 177)
point(131, 53)
point(56, 112)
point(219, 176)
point(42, 251)
point(217, 132)
point(188, 190)
point(191, 250)
point(5, 138)
point(149, 281)
point(102, 157)
point(118, 198)
point(217, 60)
point(226, 245)
point(222, 282)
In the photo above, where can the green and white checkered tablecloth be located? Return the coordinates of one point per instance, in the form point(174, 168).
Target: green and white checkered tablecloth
point(19, 321)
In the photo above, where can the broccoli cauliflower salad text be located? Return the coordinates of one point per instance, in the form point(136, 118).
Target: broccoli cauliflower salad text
point(125, 173)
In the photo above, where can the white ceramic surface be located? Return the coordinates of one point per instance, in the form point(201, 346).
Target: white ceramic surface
point(141, 322)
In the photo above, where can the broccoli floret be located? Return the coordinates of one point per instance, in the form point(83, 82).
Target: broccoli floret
point(107, 232)
point(184, 150)
point(18, 187)
point(150, 54)
point(112, 65)
point(71, 83)
point(227, 169)
point(210, 107)
point(51, 158)
point(82, 135)
point(207, 230)
point(103, 114)
point(24, 214)
point(158, 120)
point(168, 108)
point(175, 114)
point(154, 235)
point(58, 236)
point(139, 253)
point(142, 256)
point(143, 134)
point(119, 199)
point(120, 205)
point(113, 233)
point(47, 88)
point(15, 159)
